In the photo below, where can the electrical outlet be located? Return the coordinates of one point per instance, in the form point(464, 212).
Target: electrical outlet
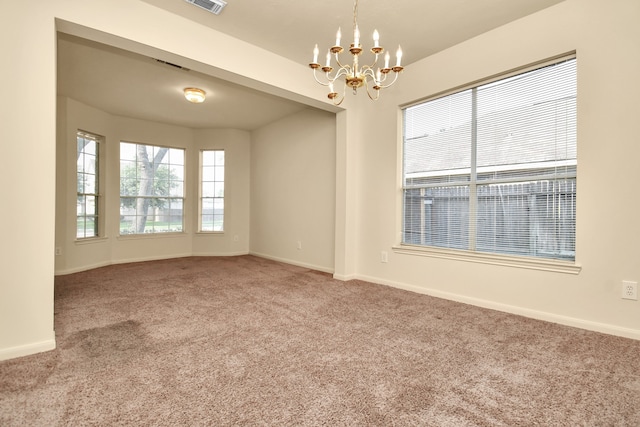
point(299, 245)
point(58, 251)
point(629, 290)
point(384, 256)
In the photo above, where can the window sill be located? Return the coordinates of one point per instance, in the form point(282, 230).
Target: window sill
point(209, 233)
point(555, 266)
point(151, 236)
point(90, 240)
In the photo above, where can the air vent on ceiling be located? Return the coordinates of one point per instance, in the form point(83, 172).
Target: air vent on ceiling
point(213, 6)
point(172, 65)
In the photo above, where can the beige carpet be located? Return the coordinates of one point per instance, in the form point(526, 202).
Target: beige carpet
point(247, 341)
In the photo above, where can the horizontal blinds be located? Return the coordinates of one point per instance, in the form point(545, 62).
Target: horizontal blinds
point(493, 168)
point(437, 144)
point(527, 122)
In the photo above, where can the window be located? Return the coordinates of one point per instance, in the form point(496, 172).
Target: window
point(87, 179)
point(493, 168)
point(151, 189)
point(212, 190)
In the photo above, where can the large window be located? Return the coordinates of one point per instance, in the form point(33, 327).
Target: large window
point(493, 168)
point(87, 180)
point(151, 189)
point(212, 190)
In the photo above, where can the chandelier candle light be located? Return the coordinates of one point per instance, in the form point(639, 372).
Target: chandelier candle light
point(356, 76)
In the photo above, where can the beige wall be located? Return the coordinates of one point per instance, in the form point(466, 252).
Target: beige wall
point(237, 147)
point(605, 36)
point(293, 190)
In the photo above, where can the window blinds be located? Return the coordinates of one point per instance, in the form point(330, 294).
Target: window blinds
point(493, 168)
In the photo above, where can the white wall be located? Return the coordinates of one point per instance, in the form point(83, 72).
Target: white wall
point(293, 189)
point(27, 138)
point(605, 36)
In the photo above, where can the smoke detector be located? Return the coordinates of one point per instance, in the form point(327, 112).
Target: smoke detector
point(213, 6)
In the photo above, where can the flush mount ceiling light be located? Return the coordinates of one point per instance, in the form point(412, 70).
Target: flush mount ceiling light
point(194, 95)
point(354, 75)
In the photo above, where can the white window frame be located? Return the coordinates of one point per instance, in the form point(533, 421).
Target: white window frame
point(211, 191)
point(547, 264)
point(97, 185)
point(172, 197)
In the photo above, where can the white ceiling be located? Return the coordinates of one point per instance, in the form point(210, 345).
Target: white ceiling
point(128, 84)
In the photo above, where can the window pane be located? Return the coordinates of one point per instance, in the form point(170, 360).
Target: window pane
point(438, 140)
point(219, 191)
point(437, 216)
point(207, 205)
point(218, 174)
point(127, 152)
point(208, 173)
point(208, 189)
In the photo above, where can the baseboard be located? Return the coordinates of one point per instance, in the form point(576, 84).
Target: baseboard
point(520, 311)
point(293, 262)
point(119, 261)
point(28, 349)
point(345, 277)
point(223, 254)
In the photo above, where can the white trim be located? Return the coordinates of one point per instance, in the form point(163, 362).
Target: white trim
point(345, 278)
point(119, 261)
point(555, 266)
point(293, 262)
point(91, 240)
point(28, 349)
point(221, 254)
point(512, 309)
point(159, 235)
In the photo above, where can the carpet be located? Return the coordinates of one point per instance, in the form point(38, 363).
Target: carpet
point(247, 341)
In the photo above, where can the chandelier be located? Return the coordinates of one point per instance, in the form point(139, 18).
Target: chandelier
point(354, 75)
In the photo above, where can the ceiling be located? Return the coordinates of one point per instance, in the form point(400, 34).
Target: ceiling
point(128, 84)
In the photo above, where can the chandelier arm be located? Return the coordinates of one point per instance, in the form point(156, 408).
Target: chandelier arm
point(373, 64)
point(344, 90)
point(342, 71)
point(338, 61)
point(371, 97)
point(395, 77)
point(320, 82)
point(368, 71)
point(369, 93)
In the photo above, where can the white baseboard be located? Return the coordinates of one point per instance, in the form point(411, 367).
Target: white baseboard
point(293, 262)
point(141, 259)
point(521, 311)
point(28, 349)
point(345, 277)
point(221, 254)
